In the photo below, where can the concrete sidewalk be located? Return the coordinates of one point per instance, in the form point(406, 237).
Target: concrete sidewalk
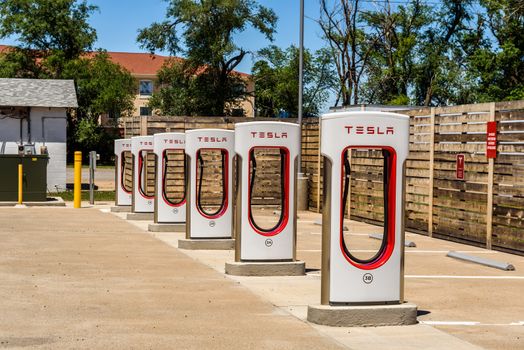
point(86, 279)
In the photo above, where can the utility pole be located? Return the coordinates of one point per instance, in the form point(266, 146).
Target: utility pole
point(300, 82)
point(302, 181)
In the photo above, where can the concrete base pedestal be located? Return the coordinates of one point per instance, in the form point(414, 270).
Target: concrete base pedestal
point(121, 209)
point(363, 315)
point(180, 227)
point(291, 268)
point(141, 216)
point(206, 244)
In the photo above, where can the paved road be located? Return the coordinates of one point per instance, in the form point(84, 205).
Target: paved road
point(87, 279)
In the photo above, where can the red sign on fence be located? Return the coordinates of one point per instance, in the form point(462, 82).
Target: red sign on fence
point(460, 167)
point(491, 142)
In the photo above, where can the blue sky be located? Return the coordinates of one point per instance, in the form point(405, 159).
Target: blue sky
point(118, 21)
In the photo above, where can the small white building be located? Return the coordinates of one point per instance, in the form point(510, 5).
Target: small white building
point(33, 119)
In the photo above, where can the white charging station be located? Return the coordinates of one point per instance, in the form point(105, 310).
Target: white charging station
point(277, 243)
point(170, 159)
point(203, 222)
point(347, 279)
point(141, 146)
point(123, 192)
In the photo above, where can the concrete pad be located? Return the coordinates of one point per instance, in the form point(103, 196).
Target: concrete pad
point(206, 244)
point(286, 268)
point(121, 209)
point(415, 337)
point(141, 216)
point(181, 227)
point(363, 315)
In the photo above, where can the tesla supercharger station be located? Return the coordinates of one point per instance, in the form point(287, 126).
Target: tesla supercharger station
point(123, 193)
point(170, 161)
point(201, 145)
point(141, 146)
point(347, 279)
point(253, 242)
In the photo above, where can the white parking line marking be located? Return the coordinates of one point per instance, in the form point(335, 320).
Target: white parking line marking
point(407, 251)
point(450, 323)
point(467, 277)
point(447, 251)
point(469, 323)
point(105, 210)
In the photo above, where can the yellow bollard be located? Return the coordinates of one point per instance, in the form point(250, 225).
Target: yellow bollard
point(78, 180)
point(20, 183)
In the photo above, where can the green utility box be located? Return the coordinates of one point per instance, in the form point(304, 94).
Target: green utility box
point(34, 179)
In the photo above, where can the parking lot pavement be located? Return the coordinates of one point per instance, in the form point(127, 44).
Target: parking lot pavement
point(475, 304)
point(85, 279)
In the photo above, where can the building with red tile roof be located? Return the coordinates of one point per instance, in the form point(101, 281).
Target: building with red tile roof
point(144, 68)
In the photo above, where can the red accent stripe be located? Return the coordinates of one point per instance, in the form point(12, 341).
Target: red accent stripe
point(225, 204)
point(122, 171)
point(140, 166)
point(386, 254)
point(183, 201)
point(285, 220)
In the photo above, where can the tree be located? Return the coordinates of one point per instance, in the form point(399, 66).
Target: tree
point(499, 63)
point(55, 40)
point(203, 32)
point(185, 92)
point(349, 45)
point(276, 81)
point(51, 31)
point(103, 87)
point(392, 65)
point(420, 55)
point(441, 56)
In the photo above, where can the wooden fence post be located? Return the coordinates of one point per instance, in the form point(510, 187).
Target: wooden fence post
point(431, 172)
point(319, 157)
point(491, 170)
point(143, 126)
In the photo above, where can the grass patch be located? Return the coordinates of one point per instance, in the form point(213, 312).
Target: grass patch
point(99, 195)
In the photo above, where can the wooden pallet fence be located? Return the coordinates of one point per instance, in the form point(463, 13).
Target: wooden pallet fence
point(265, 192)
point(486, 208)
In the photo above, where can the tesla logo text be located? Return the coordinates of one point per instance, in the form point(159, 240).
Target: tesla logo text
point(370, 130)
point(146, 143)
point(268, 135)
point(174, 142)
point(212, 139)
